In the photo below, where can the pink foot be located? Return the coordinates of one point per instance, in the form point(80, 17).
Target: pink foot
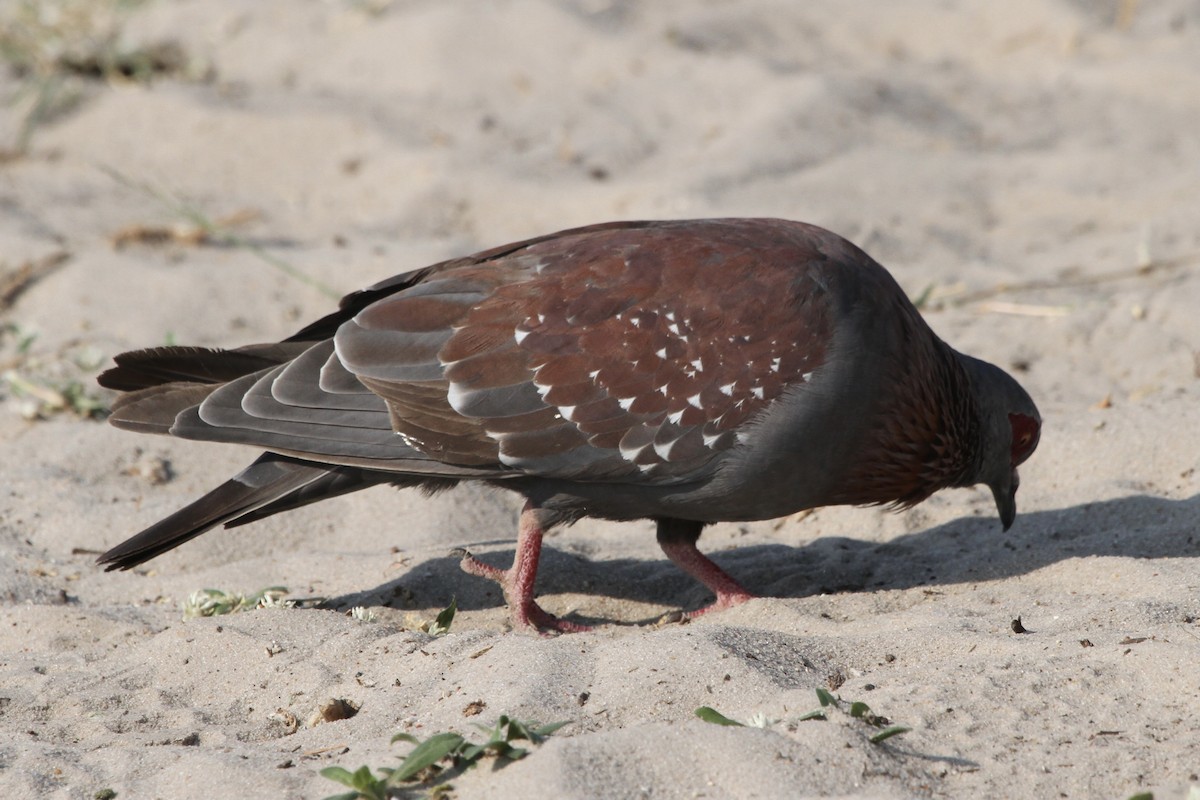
point(517, 581)
point(677, 538)
point(723, 601)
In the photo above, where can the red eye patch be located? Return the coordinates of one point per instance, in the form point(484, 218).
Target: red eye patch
point(1025, 433)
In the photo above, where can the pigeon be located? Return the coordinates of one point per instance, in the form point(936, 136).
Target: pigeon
point(687, 372)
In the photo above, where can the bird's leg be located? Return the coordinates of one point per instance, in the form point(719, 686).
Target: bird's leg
point(677, 538)
point(517, 581)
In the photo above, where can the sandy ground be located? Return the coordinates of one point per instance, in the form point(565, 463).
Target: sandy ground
point(1035, 165)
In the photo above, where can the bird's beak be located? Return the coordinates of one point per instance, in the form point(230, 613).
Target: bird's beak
point(1005, 493)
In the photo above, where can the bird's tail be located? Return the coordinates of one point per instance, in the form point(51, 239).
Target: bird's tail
point(271, 484)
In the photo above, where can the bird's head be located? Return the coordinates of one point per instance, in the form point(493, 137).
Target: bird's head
point(1010, 427)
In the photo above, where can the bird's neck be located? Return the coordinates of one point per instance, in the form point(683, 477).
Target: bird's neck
point(922, 435)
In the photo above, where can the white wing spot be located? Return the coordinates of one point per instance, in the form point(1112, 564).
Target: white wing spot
point(410, 441)
point(455, 396)
point(625, 402)
point(727, 389)
point(661, 352)
point(694, 401)
point(631, 454)
point(520, 335)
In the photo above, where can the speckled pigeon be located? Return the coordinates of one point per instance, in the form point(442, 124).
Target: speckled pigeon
point(687, 372)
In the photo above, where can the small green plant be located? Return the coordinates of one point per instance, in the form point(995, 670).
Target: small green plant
point(441, 623)
point(47, 384)
point(711, 715)
point(857, 710)
point(438, 626)
point(215, 602)
point(423, 762)
point(56, 48)
point(42, 400)
point(25, 337)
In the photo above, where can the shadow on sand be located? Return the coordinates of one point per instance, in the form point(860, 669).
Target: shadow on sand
point(965, 550)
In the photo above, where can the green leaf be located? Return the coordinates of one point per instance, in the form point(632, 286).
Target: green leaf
point(859, 709)
point(405, 737)
point(339, 774)
point(1142, 796)
point(471, 753)
point(517, 730)
point(361, 780)
point(826, 698)
point(709, 714)
point(441, 624)
point(887, 733)
point(505, 750)
point(818, 714)
point(426, 754)
point(545, 730)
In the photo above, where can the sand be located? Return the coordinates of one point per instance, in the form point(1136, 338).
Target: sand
point(1033, 166)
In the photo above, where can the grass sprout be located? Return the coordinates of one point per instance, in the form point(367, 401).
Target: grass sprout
point(438, 626)
point(424, 763)
point(441, 623)
point(55, 48)
point(40, 400)
point(855, 710)
point(714, 717)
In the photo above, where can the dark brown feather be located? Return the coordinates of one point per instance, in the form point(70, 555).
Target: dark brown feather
point(592, 324)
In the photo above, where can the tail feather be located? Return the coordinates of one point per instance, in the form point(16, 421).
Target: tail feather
point(154, 409)
point(265, 481)
point(141, 369)
point(334, 483)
